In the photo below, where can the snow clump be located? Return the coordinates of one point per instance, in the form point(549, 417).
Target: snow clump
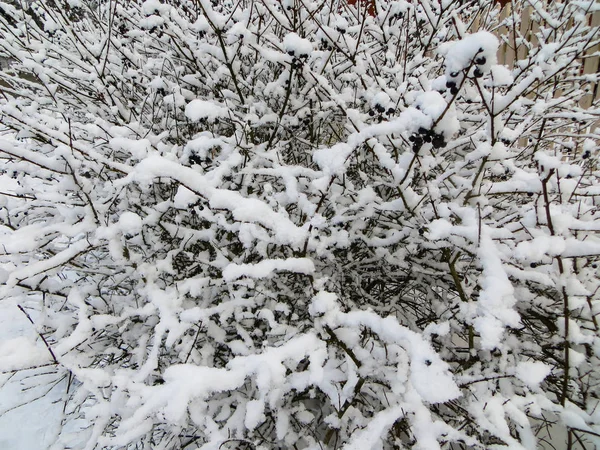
point(294, 45)
point(200, 110)
point(477, 50)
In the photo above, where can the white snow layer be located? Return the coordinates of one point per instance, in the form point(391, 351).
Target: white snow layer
point(532, 373)
point(244, 209)
point(204, 110)
point(459, 55)
point(266, 268)
point(33, 425)
point(429, 375)
point(297, 46)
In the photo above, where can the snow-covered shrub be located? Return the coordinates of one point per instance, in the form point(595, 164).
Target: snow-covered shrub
point(291, 224)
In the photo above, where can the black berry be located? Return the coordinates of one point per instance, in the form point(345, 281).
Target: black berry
point(195, 159)
point(438, 142)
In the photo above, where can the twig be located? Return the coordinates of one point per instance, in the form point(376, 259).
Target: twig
point(40, 335)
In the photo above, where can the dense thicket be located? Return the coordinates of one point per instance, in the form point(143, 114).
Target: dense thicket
point(291, 224)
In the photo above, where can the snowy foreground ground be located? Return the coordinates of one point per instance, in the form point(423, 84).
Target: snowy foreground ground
point(25, 424)
point(32, 426)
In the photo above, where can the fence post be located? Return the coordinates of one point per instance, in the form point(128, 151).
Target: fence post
point(591, 65)
point(369, 4)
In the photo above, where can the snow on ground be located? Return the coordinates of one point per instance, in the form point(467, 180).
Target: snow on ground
point(34, 425)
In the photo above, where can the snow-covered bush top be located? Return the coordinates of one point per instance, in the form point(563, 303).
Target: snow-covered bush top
point(288, 224)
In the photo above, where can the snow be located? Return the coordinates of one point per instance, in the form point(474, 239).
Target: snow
point(268, 223)
point(574, 417)
point(184, 198)
point(154, 7)
point(266, 268)
point(186, 382)
point(332, 160)
point(21, 348)
point(381, 99)
point(532, 373)
point(496, 300)
point(130, 222)
point(535, 249)
point(433, 104)
point(429, 375)
point(198, 109)
point(36, 157)
point(297, 46)
point(323, 302)
point(20, 353)
point(370, 436)
point(500, 76)
point(243, 209)
point(461, 54)
point(3, 275)
point(138, 148)
point(255, 414)
point(23, 273)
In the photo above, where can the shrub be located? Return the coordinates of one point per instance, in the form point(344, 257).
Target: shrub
point(289, 224)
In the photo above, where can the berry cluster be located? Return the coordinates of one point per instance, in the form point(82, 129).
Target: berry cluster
point(324, 45)
point(302, 124)
point(299, 60)
point(426, 136)
point(479, 61)
point(381, 112)
point(452, 83)
point(395, 17)
point(194, 158)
